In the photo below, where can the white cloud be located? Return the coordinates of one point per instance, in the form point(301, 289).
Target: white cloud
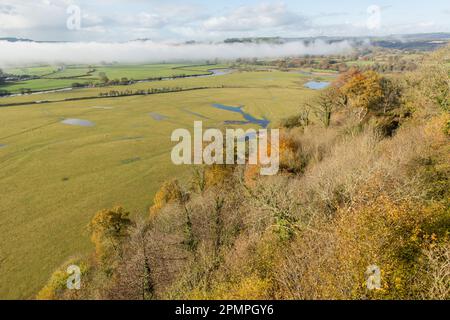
point(427, 24)
point(14, 21)
point(254, 17)
point(22, 14)
point(91, 19)
point(120, 20)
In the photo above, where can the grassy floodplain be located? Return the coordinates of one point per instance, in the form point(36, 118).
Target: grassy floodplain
point(32, 71)
point(52, 77)
point(54, 177)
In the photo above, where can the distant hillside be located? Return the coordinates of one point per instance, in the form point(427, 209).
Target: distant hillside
point(13, 39)
point(422, 42)
point(427, 36)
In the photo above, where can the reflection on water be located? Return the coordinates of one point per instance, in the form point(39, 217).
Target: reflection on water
point(78, 122)
point(264, 122)
point(220, 72)
point(157, 116)
point(317, 85)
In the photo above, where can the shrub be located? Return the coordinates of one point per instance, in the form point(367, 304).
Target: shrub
point(333, 262)
point(217, 174)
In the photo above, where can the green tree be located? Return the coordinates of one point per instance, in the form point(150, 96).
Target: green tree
point(103, 78)
point(391, 95)
point(2, 77)
point(327, 102)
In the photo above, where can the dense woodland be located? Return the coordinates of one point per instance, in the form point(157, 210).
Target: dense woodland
point(364, 181)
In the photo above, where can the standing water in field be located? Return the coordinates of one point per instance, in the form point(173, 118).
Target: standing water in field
point(2, 146)
point(220, 72)
point(78, 122)
point(264, 123)
point(102, 108)
point(157, 116)
point(317, 85)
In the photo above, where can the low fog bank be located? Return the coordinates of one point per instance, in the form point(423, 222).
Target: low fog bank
point(31, 53)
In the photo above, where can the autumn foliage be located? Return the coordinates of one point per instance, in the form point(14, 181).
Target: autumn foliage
point(364, 183)
point(108, 229)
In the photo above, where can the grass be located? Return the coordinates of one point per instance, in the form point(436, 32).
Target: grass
point(32, 71)
point(273, 79)
point(37, 85)
point(140, 72)
point(333, 72)
point(360, 63)
point(80, 74)
point(54, 177)
point(70, 72)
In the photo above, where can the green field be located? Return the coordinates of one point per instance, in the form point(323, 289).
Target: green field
point(54, 177)
point(70, 72)
point(149, 71)
point(237, 79)
point(52, 79)
point(32, 71)
point(360, 63)
point(37, 85)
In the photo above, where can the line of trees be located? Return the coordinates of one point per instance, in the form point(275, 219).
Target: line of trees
point(117, 93)
point(314, 63)
point(393, 64)
point(104, 80)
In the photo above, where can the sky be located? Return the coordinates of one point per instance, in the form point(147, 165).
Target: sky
point(202, 20)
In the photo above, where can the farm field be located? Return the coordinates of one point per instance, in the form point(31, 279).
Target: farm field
point(360, 63)
point(70, 72)
point(51, 78)
point(139, 72)
point(235, 79)
point(32, 71)
point(54, 176)
point(37, 85)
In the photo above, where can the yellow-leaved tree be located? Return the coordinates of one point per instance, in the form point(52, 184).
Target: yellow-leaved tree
point(364, 92)
point(170, 191)
point(109, 228)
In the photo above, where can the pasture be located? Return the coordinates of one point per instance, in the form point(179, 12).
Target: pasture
point(37, 85)
point(32, 71)
point(52, 77)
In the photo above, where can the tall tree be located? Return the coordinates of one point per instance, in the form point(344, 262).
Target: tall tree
point(2, 77)
point(329, 100)
point(108, 229)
